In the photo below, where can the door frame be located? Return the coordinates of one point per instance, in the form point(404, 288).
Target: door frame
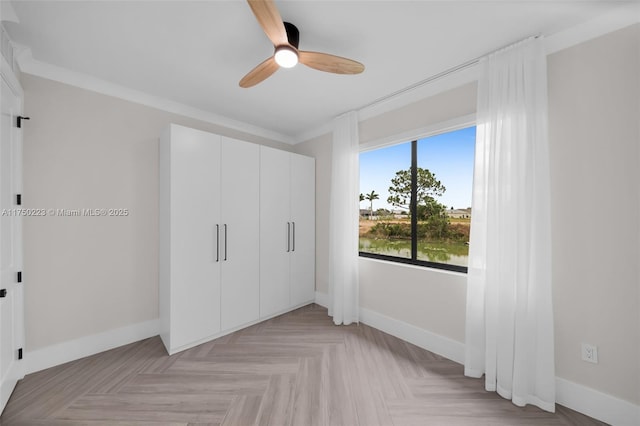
point(16, 370)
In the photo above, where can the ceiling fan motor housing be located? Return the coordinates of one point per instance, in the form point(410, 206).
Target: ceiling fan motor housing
point(293, 35)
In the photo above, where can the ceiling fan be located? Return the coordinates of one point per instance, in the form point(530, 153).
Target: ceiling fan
point(285, 38)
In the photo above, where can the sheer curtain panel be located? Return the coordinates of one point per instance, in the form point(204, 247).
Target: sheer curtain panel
point(343, 221)
point(509, 323)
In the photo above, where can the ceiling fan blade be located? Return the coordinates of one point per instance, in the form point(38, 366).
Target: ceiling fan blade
point(269, 19)
point(259, 73)
point(330, 63)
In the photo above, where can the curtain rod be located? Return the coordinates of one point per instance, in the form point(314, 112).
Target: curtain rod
point(442, 74)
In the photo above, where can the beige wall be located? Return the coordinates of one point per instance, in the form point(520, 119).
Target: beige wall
point(435, 109)
point(85, 275)
point(594, 115)
point(320, 149)
point(427, 298)
point(595, 137)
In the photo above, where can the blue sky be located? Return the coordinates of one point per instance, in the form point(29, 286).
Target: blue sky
point(449, 156)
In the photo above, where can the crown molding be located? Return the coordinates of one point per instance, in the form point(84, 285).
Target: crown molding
point(323, 129)
point(29, 65)
point(7, 13)
point(623, 16)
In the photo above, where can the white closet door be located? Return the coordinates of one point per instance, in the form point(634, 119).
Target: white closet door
point(240, 293)
point(275, 229)
point(195, 212)
point(303, 218)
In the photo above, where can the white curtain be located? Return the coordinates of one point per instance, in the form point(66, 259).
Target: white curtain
point(343, 221)
point(509, 323)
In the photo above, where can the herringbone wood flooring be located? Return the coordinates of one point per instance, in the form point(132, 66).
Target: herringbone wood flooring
point(297, 369)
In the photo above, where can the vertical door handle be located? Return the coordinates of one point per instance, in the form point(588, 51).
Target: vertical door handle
point(293, 238)
point(217, 242)
point(225, 241)
point(288, 237)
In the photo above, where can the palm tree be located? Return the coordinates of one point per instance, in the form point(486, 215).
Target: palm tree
point(370, 197)
point(361, 197)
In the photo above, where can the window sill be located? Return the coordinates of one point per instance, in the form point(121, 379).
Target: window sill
point(419, 264)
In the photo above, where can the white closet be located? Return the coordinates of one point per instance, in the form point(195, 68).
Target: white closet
point(303, 215)
point(211, 226)
point(240, 230)
point(287, 234)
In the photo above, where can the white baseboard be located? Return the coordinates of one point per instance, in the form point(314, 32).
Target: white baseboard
point(420, 337)
point(322, 299)
point(591, 402)
point(71, 350)
point(432, 342)
point(8, 383)
point(583, 399)
point(596, 404)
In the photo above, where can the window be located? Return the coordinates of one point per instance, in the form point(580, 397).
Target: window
point(415, 200)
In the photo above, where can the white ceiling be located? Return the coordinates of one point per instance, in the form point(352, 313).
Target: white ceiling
point(195, 52)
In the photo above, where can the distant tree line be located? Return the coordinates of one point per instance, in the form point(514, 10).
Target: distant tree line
point(433, 222)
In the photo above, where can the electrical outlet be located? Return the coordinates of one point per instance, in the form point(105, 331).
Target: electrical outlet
point(589, 353)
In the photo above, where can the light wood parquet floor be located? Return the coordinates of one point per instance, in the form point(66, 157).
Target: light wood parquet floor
point(297, 369)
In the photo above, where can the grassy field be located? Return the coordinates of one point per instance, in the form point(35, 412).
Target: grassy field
point(466, 221)
point(450, 252)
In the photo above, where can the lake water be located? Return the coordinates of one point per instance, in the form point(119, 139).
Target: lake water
point(452, 253)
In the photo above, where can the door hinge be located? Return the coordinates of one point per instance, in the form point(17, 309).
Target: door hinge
point(19, 120)
point(18, 199)
point(19, 276)
point(3, 292)
point(20, 353)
